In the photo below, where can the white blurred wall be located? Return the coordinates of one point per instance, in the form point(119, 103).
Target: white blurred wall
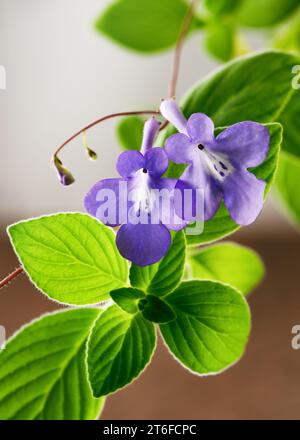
point(62, 75)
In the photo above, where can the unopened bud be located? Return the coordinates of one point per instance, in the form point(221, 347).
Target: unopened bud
point(65, 176)
point(91, 153)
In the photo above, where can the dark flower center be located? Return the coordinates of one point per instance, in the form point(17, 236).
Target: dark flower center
point(201, 147)
point(145, 171)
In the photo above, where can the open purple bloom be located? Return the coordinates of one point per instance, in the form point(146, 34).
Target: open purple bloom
point(219, 166)
point(144, 236)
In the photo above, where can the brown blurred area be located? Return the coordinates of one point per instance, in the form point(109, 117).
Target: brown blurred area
point(265, 384)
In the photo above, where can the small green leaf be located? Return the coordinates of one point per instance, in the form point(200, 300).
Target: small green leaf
point(127, 299)
point(72, 258)
point(130, 132)
point(222, 225)
point(287, 184)
point(220, 40)
point(228, 263)
point(119, 349)
point(212, 326)
point(163, 277)
point(264, 13)
point(219, 7)
point(43, 373)
point(143, 25)
point(155, 309)
point(287, 36)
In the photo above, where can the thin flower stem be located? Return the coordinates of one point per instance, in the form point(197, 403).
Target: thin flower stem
point(177, 54)
point(11, 277)
point(104, 118)
point(178, 50)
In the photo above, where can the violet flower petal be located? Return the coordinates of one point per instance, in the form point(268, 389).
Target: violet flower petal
point(165, 204)
point(156, 161)
point(170, 111)
point(243, 196)
point(180, 148)
point(246, 144)
point(143, 244)
point(95, 199)
point(129, 162)
point(207, 188)
point(200, 128)
point(150, 131)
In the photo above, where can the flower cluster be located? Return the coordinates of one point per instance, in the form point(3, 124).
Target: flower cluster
point(216, 166)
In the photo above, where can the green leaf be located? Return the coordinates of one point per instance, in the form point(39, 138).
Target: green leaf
point(143, 25)
point(228, 263)
point(220, 40)
point(252, 88)
point(263, 13)
point(222, 225)
point(219, 7)
point(287, 36)
point(119, 349)
point(72, 258)
point(163, 277)
point(212, 326)
point(130, 132)
point(290, 121)
point(43, 373)
point(287, 185)
point(156, 310)
point(128, 299)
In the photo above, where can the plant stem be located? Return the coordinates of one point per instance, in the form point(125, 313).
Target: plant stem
point(177, 54)
point(102, 119)
point(178, 50)
point(11, 277)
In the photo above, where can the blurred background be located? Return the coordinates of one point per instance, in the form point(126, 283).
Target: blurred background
point(62, 75)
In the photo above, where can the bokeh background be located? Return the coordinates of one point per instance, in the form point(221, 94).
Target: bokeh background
point(62, 75)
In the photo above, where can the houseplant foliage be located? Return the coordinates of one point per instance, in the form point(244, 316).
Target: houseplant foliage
point(190, 295)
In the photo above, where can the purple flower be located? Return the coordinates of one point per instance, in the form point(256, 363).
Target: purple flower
point(219, 166)
point(144, 236)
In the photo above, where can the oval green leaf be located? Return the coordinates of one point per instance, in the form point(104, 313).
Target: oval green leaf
point(130, 132)
point(119, 349)
point(228, 263)
point(220, 40)
point(127, 298)
point(43, 373)
point(212, 326)
point(143, 25)
point(72, 258)
point(264, 13)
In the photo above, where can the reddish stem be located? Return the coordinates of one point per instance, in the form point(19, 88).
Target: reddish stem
point(178, 50)
point(105, 118)
point(177, 54)
point(11, 277)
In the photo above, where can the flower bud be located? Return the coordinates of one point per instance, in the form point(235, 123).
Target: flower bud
point(91, 153)
point(65, 176)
